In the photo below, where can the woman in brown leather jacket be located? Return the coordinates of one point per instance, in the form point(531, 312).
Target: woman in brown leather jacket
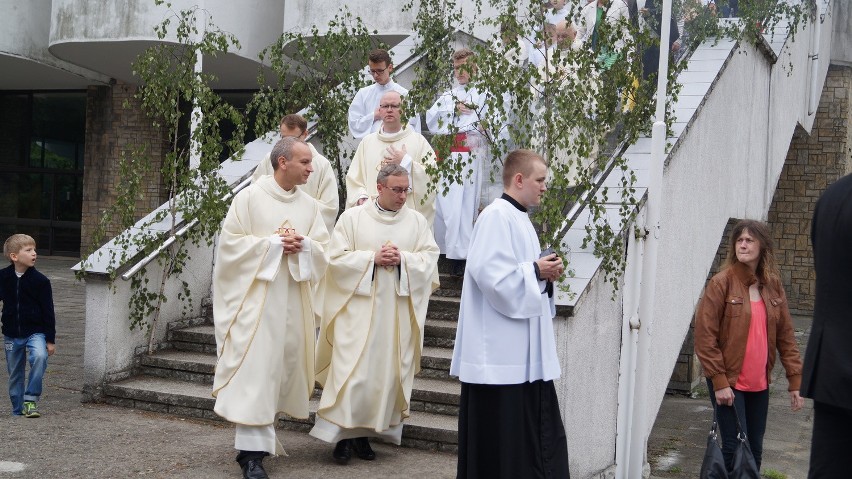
point(740, 322)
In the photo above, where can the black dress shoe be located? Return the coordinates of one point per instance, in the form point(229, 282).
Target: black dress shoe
point(253, 469)
point(342, 452)
point(363, 449)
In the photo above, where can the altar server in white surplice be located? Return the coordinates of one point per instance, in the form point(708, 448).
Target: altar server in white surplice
point(458, 112)
point(365, 116)
point(322, 184)
point(392, 144)
point(383, 267)
point(505, 351)
point(272, 250)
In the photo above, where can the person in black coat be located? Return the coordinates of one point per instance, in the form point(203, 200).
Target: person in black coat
point(827, 374)
point(652, 12)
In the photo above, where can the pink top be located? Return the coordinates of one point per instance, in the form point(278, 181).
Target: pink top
point(753, 375)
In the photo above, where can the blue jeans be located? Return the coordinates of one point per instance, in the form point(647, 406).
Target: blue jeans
point(18, 351)
point(752, 408)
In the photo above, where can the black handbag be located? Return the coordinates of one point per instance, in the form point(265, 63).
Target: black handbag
point(713, 466)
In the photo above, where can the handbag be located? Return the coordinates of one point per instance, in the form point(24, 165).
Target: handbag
point(713, 466)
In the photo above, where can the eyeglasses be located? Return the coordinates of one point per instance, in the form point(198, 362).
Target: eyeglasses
point(378, 72)
point(400, 191)
point(389, 106)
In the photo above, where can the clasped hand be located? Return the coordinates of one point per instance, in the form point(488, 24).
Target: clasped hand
point(388, 255)
point(292, 242)
point(550, 267)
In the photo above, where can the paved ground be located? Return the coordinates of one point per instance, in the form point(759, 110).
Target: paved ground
point(75, 440)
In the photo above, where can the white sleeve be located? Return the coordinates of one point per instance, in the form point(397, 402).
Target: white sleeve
point(440, 115)
point(271, 262)
point(360, 116)
point(507, 282)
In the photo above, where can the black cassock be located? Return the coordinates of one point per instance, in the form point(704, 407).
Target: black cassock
point(511, 431)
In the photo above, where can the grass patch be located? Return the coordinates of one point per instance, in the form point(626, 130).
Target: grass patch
point(675, 470)
point(700, 391)
point(773, 474)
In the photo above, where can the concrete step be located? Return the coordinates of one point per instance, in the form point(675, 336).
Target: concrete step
point(171, 396)
point(450, 285)
point(435, 362)
point(444, 307)
point(179, 364)
point(200, 339)
point(440, 333)
point(434, 393)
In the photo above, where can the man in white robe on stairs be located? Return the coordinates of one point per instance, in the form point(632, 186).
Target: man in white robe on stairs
point(393, 143)
point(458, 112)
point(383, 268)
point(271, 251)
point(322, 184)
point(365, 116)
point(510, 423)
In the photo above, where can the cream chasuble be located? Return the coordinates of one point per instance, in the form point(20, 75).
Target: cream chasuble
point(361, 178)
point(263, 310)
point(321, 185)
point(373, 317)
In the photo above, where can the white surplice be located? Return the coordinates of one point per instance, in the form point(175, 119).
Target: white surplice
point(373, 317)
point(457, 204)
point(505, 327)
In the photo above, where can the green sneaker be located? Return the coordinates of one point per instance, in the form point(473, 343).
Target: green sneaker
point(31, 409)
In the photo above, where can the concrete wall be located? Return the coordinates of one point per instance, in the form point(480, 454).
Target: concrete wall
point(841, 19)
point(588, 344)
point(111, 347)
point(24, 57)
point(300, 15)
point(108, 36)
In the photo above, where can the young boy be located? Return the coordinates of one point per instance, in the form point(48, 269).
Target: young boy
point(29, 324)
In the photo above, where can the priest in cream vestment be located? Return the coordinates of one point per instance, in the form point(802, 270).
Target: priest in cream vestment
point(392, 144)
point(382, 271)
point(272, 250)
point(322, 184)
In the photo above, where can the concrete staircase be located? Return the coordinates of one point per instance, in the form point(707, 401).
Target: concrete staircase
point(178, 379)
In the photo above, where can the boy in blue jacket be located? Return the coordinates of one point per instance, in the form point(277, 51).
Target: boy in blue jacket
point(29, 324)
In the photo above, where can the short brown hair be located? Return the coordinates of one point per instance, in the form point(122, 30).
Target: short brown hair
point(293, 120)
point(391, 169)
point(284, 148)
point(380, 55)
point(15, 243)
point(519, 161)
point(462, 53)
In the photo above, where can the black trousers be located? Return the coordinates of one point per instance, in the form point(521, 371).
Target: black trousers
point(752, 408)
point(831, 442)
point(511, 431)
